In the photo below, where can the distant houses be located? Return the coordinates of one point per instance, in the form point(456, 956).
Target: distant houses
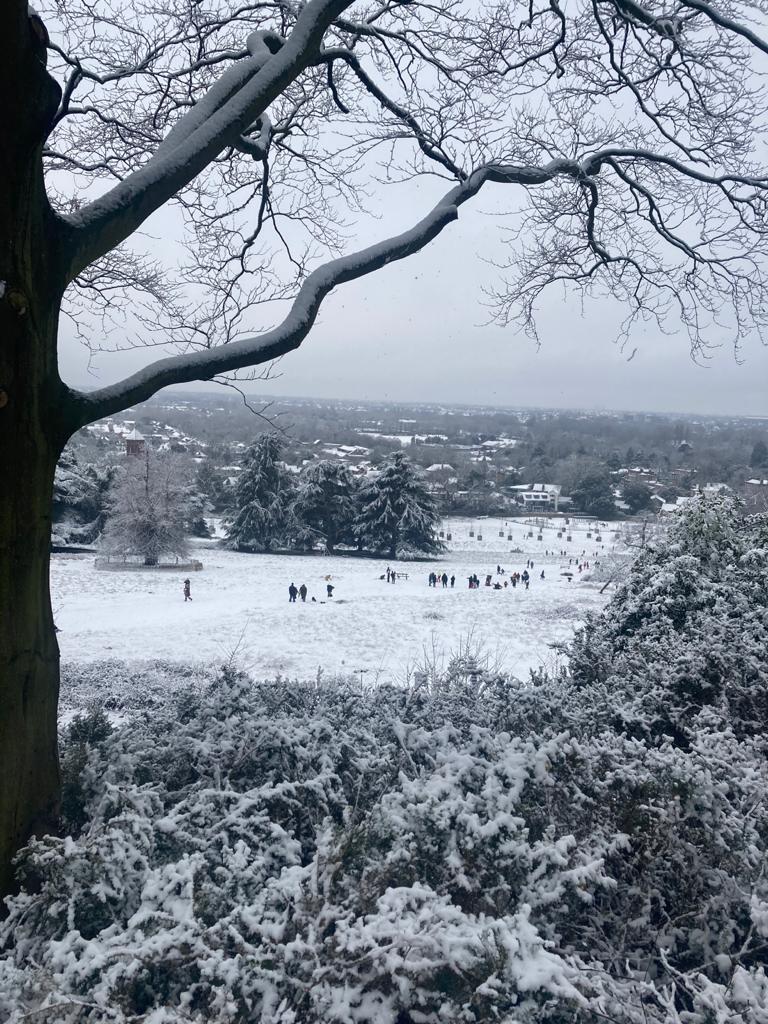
point(542, 497)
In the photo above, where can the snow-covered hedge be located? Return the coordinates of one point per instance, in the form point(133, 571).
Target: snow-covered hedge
point(472, 850)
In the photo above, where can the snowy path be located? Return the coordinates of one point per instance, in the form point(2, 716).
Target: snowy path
point(241, 601)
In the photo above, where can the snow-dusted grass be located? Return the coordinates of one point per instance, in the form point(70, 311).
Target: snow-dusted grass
point(240, 602)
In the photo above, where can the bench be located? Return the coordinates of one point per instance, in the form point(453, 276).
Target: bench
point(402, 575)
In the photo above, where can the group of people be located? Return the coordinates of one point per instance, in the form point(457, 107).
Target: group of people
point(443, 578)
point(294, 592)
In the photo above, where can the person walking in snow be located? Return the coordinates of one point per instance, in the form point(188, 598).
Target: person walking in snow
point(303, 591)
point(389, 573)
point(187, 588)
point(444, 579)
point(292, 593)
point(329, 589)
point(453, 580)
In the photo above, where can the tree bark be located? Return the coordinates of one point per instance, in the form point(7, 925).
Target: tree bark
point(33, 430)
point(29, 654)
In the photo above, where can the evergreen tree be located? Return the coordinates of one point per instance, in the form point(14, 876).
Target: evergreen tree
point(396, 512)
point(210, 483)
point(594, 495)
point(637, 495)
point(80, 499)
point(325, 504)
point(759, 457)
point(263, 514)
point(148, 510)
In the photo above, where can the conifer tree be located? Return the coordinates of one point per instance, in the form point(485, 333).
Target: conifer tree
point(263, 512)
point(80, 499)
point(396, 512)
point(325, 504)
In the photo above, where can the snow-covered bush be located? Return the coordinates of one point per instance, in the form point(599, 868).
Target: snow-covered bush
point(466, 849)
point(687, 632)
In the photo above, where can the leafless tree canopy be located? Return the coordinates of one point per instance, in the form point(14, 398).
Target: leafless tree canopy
point(633, 133)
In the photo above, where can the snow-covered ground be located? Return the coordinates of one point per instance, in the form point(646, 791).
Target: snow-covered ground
point(240, 604)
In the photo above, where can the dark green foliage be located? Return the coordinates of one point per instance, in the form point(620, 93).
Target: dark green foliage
point(637, 495)
point(396, 512)
point(593, 495)
point(262, 518)
point(80, 499)
point(325, 504)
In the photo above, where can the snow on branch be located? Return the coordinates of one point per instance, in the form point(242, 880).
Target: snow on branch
point(288, 335)
point(230, 107)
point(730, 24)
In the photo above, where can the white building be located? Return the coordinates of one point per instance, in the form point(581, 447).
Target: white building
point(542, 496)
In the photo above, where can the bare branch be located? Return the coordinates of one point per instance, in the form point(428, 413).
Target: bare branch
point(295, 327)
point(240, 96)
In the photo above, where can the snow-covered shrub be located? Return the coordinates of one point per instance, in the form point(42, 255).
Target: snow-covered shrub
point(589, 846)
point(687, 631)
point(119, 688)
point(300, 854)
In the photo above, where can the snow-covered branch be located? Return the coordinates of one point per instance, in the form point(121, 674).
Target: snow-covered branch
point(288, 335)
point(239, 97)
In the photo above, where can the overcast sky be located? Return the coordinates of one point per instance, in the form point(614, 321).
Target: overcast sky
point(416, 331)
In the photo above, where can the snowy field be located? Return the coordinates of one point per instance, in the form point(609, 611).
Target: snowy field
point(240, 606)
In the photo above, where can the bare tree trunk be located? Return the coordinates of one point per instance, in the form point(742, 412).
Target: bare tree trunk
point(29, 654)
point(33, 408)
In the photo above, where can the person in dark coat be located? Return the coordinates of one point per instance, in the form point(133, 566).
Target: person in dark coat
point(453, 580)
point(444, 579)
point(303, 591)
point(329, 589)
point(292, 594)
point(187, 587)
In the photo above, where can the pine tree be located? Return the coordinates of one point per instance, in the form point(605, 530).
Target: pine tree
point(396, 512)
point(210, 483)
point(759, 457)
point(80, 499)
point(263, 501)
point(325, 504)
point(148, 510)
